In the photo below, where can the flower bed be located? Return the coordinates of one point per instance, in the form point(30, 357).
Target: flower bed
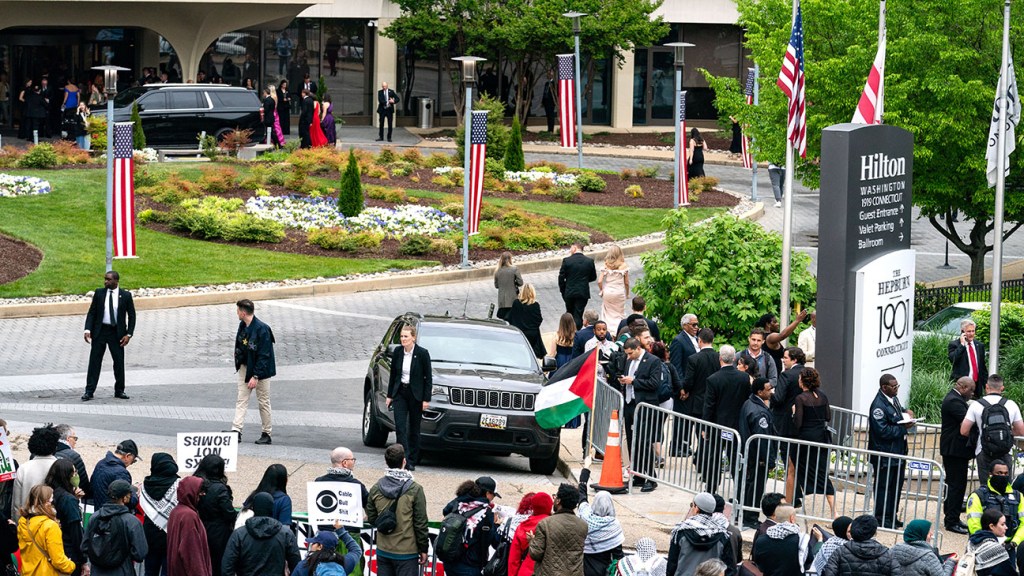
point(313, 213)
point(11, 186)
point(528, 176)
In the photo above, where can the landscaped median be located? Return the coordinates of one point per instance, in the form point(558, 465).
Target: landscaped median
point(281, 217)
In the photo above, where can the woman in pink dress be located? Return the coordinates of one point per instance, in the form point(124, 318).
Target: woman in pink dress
point(613, 283)
point(278, 132)
point(316, 132)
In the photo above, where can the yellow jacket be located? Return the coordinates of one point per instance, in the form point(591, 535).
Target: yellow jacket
point(47, 535)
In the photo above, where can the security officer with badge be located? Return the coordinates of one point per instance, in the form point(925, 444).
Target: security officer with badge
point(887, 432)
point(756, 418)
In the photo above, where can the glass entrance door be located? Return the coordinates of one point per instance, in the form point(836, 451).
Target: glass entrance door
point(654, 87)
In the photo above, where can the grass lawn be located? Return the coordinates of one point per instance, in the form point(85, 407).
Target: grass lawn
point(616, 221)
point(69, 226)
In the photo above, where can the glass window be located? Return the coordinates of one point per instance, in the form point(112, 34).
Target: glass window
point(466, 344)
point(345, 67)
point(293, 53)
point(235, 99)
point(151, 101)
point(185, 100)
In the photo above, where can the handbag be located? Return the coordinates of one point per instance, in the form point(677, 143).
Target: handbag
point(43, 550)
point(748, 568)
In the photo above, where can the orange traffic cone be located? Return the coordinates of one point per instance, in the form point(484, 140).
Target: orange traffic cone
point(611, 469)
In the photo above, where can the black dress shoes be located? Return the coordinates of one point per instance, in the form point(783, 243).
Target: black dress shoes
point(86, 397)
point(122, 396)
point(957, 529)
point(649, 486)
point(264, 439)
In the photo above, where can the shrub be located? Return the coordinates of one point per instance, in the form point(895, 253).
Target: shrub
point(217, 179)
point(385, 194)
point(703, 183)
point(249, 228)
point(634, 191)
point(514, 188)
point(69, 153)
point(440, 159)
point(138, 134)
point(147, 215)
point(489, 211)
point(567, 236)
point(494, 168)
point(171, 190)
point(208, 145)
point(9, 157)
point(387, 156)
point(413, 156)
point(543, 168)
point(513, 218)
point(415, 245)
point(590, 182)
point(497, 132)
point(443, 180)
point(492, 184)
point(453, 209)
point(1011, 323)
point(567, 193)
point(341, 239)
point(402, 170)
point(145, 177)
point(543, 186)
point(206, 218)
point(548, 166)
point(297, 180)
point(493, 238)
point(647, 172)
point(376, 171)
point(514, 160)
point(350, 199)
point(628, 173)
point(444, 246)
point(234, 140)
point(39, 156)
point(314, 160)
point(96, 126)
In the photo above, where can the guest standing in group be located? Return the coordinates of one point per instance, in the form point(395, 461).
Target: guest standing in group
point(80, 126)
point(386, 99)
point(158, 498)
point(72, 96)
point(284, 107)
point(695, 166)
point(63, 479)
point(811, 416)
point(216, 508)
point(508, 281)
point(39, 536)
point(306, 110)
point(270, 120)
point(613, 286)
point(736, 145)
point(525, 315)
point(957, 451)
point(549, 100)
point(561, 349)
point(316, 130)
point(109, 324)
point(409, 390)
point(574, 278)
point(327, 122)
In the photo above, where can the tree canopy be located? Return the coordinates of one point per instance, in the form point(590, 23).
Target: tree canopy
point(941, 73)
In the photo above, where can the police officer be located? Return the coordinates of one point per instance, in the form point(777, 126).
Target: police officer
point(997, 493)
point(886, 434)
point(756, 418)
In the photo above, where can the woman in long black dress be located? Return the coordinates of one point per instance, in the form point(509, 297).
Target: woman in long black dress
point(525, 315)
point(284, 107)
point(695, 167)
point(811, 416)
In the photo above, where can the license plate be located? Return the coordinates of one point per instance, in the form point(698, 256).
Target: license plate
point(493, 421)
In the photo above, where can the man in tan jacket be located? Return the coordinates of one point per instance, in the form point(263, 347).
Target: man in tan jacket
point(557, 544)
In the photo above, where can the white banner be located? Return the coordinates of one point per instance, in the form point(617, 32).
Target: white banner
point(1012, 119)
point(6, 458)
point(193, 446)
point(334, 501)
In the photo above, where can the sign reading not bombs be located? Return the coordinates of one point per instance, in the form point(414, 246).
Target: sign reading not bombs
point(193, 446)
point(334, 501)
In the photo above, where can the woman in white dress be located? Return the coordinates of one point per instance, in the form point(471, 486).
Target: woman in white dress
point(613, 283)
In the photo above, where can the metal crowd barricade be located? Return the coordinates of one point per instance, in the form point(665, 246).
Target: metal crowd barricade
point(842, 480)
point(850, 428)
point(606, 400)
point(709, 455)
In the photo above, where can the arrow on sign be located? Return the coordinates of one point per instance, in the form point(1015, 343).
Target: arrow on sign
point(901, 208)
point(901, 365)
point(901, 236)
point(901, 222)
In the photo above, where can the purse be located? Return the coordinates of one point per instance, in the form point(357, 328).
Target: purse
point(43, 550)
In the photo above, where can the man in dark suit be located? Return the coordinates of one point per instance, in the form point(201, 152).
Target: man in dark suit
point(110, 324)
point(699, 367)
point(640, 377)
point(887, 435)
point(574, 278)
point(727, 391)
point(967, 355)
point(386, 99)
point(682, 347)
point(409, 390)
point(639, 307)
point(305, 119)
point(584, 334)
point(957, 451)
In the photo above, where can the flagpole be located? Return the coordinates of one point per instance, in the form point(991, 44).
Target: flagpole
point(787, 220)
point(880, 102)
point(997, 241)
point(590, 429)
point(753, 159)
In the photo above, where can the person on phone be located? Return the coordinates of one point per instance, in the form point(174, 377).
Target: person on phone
point(409, 392)
point(967, 355)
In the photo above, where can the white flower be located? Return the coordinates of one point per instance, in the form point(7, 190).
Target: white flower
point(11, 186)
point(312, 213)
point(533, 176)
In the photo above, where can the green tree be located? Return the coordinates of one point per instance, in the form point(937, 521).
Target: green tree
point(350, 195)
point(497, 132)
point(941, 71)
point(514, 160)
point(138, 135)
point(321, 89)
point(727, 271)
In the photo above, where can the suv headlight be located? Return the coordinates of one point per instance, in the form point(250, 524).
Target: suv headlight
point(436, 390)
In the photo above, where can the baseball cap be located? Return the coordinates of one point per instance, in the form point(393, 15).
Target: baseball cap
point(129, 447)
point(326, 538)
point(119, 489)
point(487, 484)
point(704, 502)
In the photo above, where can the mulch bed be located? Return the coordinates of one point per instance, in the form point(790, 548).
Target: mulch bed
point(17, 259)
point(715, 140)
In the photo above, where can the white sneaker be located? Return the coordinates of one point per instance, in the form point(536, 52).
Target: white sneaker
point(778, 204)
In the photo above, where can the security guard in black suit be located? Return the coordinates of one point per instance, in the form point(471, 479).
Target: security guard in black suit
point(886, 434)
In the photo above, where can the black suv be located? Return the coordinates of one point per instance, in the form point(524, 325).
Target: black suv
point(173, 115)
point(486, 380)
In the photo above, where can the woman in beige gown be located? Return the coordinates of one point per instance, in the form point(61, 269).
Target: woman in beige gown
point(613, 283)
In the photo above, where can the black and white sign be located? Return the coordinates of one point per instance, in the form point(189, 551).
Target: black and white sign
point(333, 501)
point(193, 446)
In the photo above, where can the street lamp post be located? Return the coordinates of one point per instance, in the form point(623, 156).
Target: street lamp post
point(468, 78)
point(110, 88)
point(677, 48)
point(579, 85)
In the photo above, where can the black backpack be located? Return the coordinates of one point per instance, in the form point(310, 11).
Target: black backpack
point(498, 564)
point(106, 543)
point(996, 429)
point(450, 544)
point(387, 521)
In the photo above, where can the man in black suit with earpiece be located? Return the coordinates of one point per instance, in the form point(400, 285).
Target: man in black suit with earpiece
point(110, 323)
point(386, 99)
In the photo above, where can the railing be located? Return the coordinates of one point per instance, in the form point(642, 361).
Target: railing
point(606, 399)
point(928, 301)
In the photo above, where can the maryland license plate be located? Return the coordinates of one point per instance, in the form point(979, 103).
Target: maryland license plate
point(493, 421)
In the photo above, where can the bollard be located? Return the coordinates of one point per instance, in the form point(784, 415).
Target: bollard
point(35, 137)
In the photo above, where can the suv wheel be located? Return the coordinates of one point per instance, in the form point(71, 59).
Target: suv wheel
point(223, 133)
point(545, 466)
point(374, 435)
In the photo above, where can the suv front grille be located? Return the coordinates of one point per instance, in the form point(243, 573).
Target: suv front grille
point(491, 399)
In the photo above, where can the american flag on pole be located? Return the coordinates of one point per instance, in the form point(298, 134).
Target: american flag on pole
point(124, 191)
point(682, 179)
point(791, 81)
point(477, 158)
point(869, 109)
point(748, 158)
point(567, 100)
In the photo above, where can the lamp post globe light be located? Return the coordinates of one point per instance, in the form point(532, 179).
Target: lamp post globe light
point(677, 52)
point(575, 16)
point(110, 89)
point(468, 78)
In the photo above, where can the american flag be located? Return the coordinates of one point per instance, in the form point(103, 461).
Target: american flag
point(748, 157)
point(124, 191)
point(567, 100)
point(682, 179)
point(791, 81)
point(869, 109)
point(477, 159)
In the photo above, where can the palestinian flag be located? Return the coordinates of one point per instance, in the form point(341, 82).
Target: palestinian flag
point(569, 394)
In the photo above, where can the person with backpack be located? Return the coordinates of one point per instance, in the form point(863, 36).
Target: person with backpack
point(114, 540)
point(644, 562)
point(998, 420)
point(262, 546)
point(997, 493)
point(468, 529)
point(888, 434)
point(397, 509)
point(323, 558)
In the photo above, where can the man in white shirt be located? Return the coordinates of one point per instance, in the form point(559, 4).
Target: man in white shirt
point(108, 325)
point(975, 412)
point(807, 338)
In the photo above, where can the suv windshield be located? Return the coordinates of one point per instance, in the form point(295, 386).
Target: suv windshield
point(946, 321)
point(467, 344)
point(125, 98)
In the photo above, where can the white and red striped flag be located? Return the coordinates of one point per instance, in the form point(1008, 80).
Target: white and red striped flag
point(869, 109)
point(791, 81)
point(567, 100)
point(682, 178)
point(477, 160)
point(124, 191)
point(748, 157)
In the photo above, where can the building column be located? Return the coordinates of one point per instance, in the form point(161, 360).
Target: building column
point(385, 65)
point(622, 92)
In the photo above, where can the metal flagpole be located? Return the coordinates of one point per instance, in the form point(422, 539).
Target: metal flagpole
point(676, 174)
point(880, 97)
point(997, 241)
point(469, 77)
point(593, 411)
point(787, 222)
point(753, 160)
point(579, 97)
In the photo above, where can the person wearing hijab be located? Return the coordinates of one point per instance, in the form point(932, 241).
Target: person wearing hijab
point(157, 499)
point(915, 554)
point(263, 545)
point(188, 554)
point(216, 508)
point(519, 562)
point(604, 533)
point(646, 559)
point(841, 529)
